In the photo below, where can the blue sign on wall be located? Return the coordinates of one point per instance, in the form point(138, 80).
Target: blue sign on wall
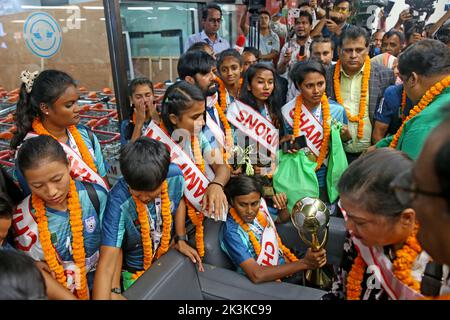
point(42, 34)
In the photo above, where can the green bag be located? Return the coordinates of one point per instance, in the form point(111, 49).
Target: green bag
point(296, 177)
point(127, 280)
point(337, 163)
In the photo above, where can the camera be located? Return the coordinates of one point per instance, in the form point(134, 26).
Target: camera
point(421, 6)
point(254, 5)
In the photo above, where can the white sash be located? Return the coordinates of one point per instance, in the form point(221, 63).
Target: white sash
point(254, 125)
point(269, 254)
point(375, 258)
point(79, 170)
point(215, 130)
point(196, 181)
point(27, 240)
point(309, 125)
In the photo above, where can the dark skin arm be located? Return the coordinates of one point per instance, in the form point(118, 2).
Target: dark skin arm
point(379, 131)
point(280, 203)
point(259, 274)
point(104, 275)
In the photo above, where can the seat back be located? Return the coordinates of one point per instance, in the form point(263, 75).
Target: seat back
point(172, 277)
point(214, 255)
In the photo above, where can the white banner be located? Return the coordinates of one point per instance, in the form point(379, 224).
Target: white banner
point(196, 181)
point(253, 124)
point(79, 170)
point(309, 125)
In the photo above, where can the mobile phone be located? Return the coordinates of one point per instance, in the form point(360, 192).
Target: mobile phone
point(299, 143)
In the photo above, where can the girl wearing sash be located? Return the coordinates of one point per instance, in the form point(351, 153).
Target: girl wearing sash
point(382, 258)
point(250, 239)
point(183, 114)
point(59, 223)
point(48, 105)
point(316, 167)
point(229, 67)
point(142, 109)
point(139, 216)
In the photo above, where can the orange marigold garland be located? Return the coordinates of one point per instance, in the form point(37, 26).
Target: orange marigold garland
point(223, 92)
point(147, 245)
point(403, 105)
point(76, 226)
point(326, 115)
point(288, 255)
point(364, 89)
point(197, 217)
point(427, 98)
point(39, 128)
point(401, 267)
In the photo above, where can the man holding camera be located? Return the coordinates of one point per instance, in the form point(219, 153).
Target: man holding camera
point(211, 22)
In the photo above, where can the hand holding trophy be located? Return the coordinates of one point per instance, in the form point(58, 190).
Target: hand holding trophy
point(310, 217)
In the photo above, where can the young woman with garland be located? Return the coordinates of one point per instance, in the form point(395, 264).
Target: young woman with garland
point(380, 228)
point(48, 106)
point(142, 109)
point(139, 217)
point(183, 117)
point(309, 78)
point(241, 237)
point(229, 67)
point(59, 223)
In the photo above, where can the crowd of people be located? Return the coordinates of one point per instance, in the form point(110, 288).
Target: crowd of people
point(241, 137)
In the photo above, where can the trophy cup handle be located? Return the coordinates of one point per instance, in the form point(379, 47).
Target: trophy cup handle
point(325, 239)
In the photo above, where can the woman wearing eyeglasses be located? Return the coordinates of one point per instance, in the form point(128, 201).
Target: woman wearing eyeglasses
point(382, 258)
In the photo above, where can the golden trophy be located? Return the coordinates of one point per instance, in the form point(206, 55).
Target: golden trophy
point(310, 217)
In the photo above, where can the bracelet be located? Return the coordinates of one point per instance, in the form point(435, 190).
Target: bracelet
point(116, 290)
point(219, 184)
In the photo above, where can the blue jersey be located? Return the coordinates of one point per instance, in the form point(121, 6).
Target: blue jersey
point(61, 233)
point(235, 242)
point(120, 225)
point(389, 111)
point(93, 147)
point(337, 113)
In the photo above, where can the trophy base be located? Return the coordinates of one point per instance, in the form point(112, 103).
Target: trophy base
point(320, 280)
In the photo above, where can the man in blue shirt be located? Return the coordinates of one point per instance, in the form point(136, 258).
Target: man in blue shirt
point(390, 114)
point(211, 21)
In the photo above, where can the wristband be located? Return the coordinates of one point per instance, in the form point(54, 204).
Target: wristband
point(219, 184)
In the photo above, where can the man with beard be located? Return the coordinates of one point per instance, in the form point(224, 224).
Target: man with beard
point(297, 49)
point(336, 24)
point(197, 68)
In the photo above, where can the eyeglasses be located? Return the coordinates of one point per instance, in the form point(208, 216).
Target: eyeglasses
point(341, 10)
point(406, 190)
point(215, 20)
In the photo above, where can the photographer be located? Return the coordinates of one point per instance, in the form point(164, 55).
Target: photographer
point(334, 25)
point(269, 42)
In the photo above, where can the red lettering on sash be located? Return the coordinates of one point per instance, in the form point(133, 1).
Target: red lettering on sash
point(315, 139)
point(268, 256)
point(308, 130)
point(25, 230)
point(291, 113)
point(249, 119)
point(259, 126)
point(241, 115)
point(191, 179)
point(200, 190)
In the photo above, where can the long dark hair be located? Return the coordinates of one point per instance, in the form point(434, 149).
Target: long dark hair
point(367, 181)
point(47, 88)
point(178, 98)
point(274, 101)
